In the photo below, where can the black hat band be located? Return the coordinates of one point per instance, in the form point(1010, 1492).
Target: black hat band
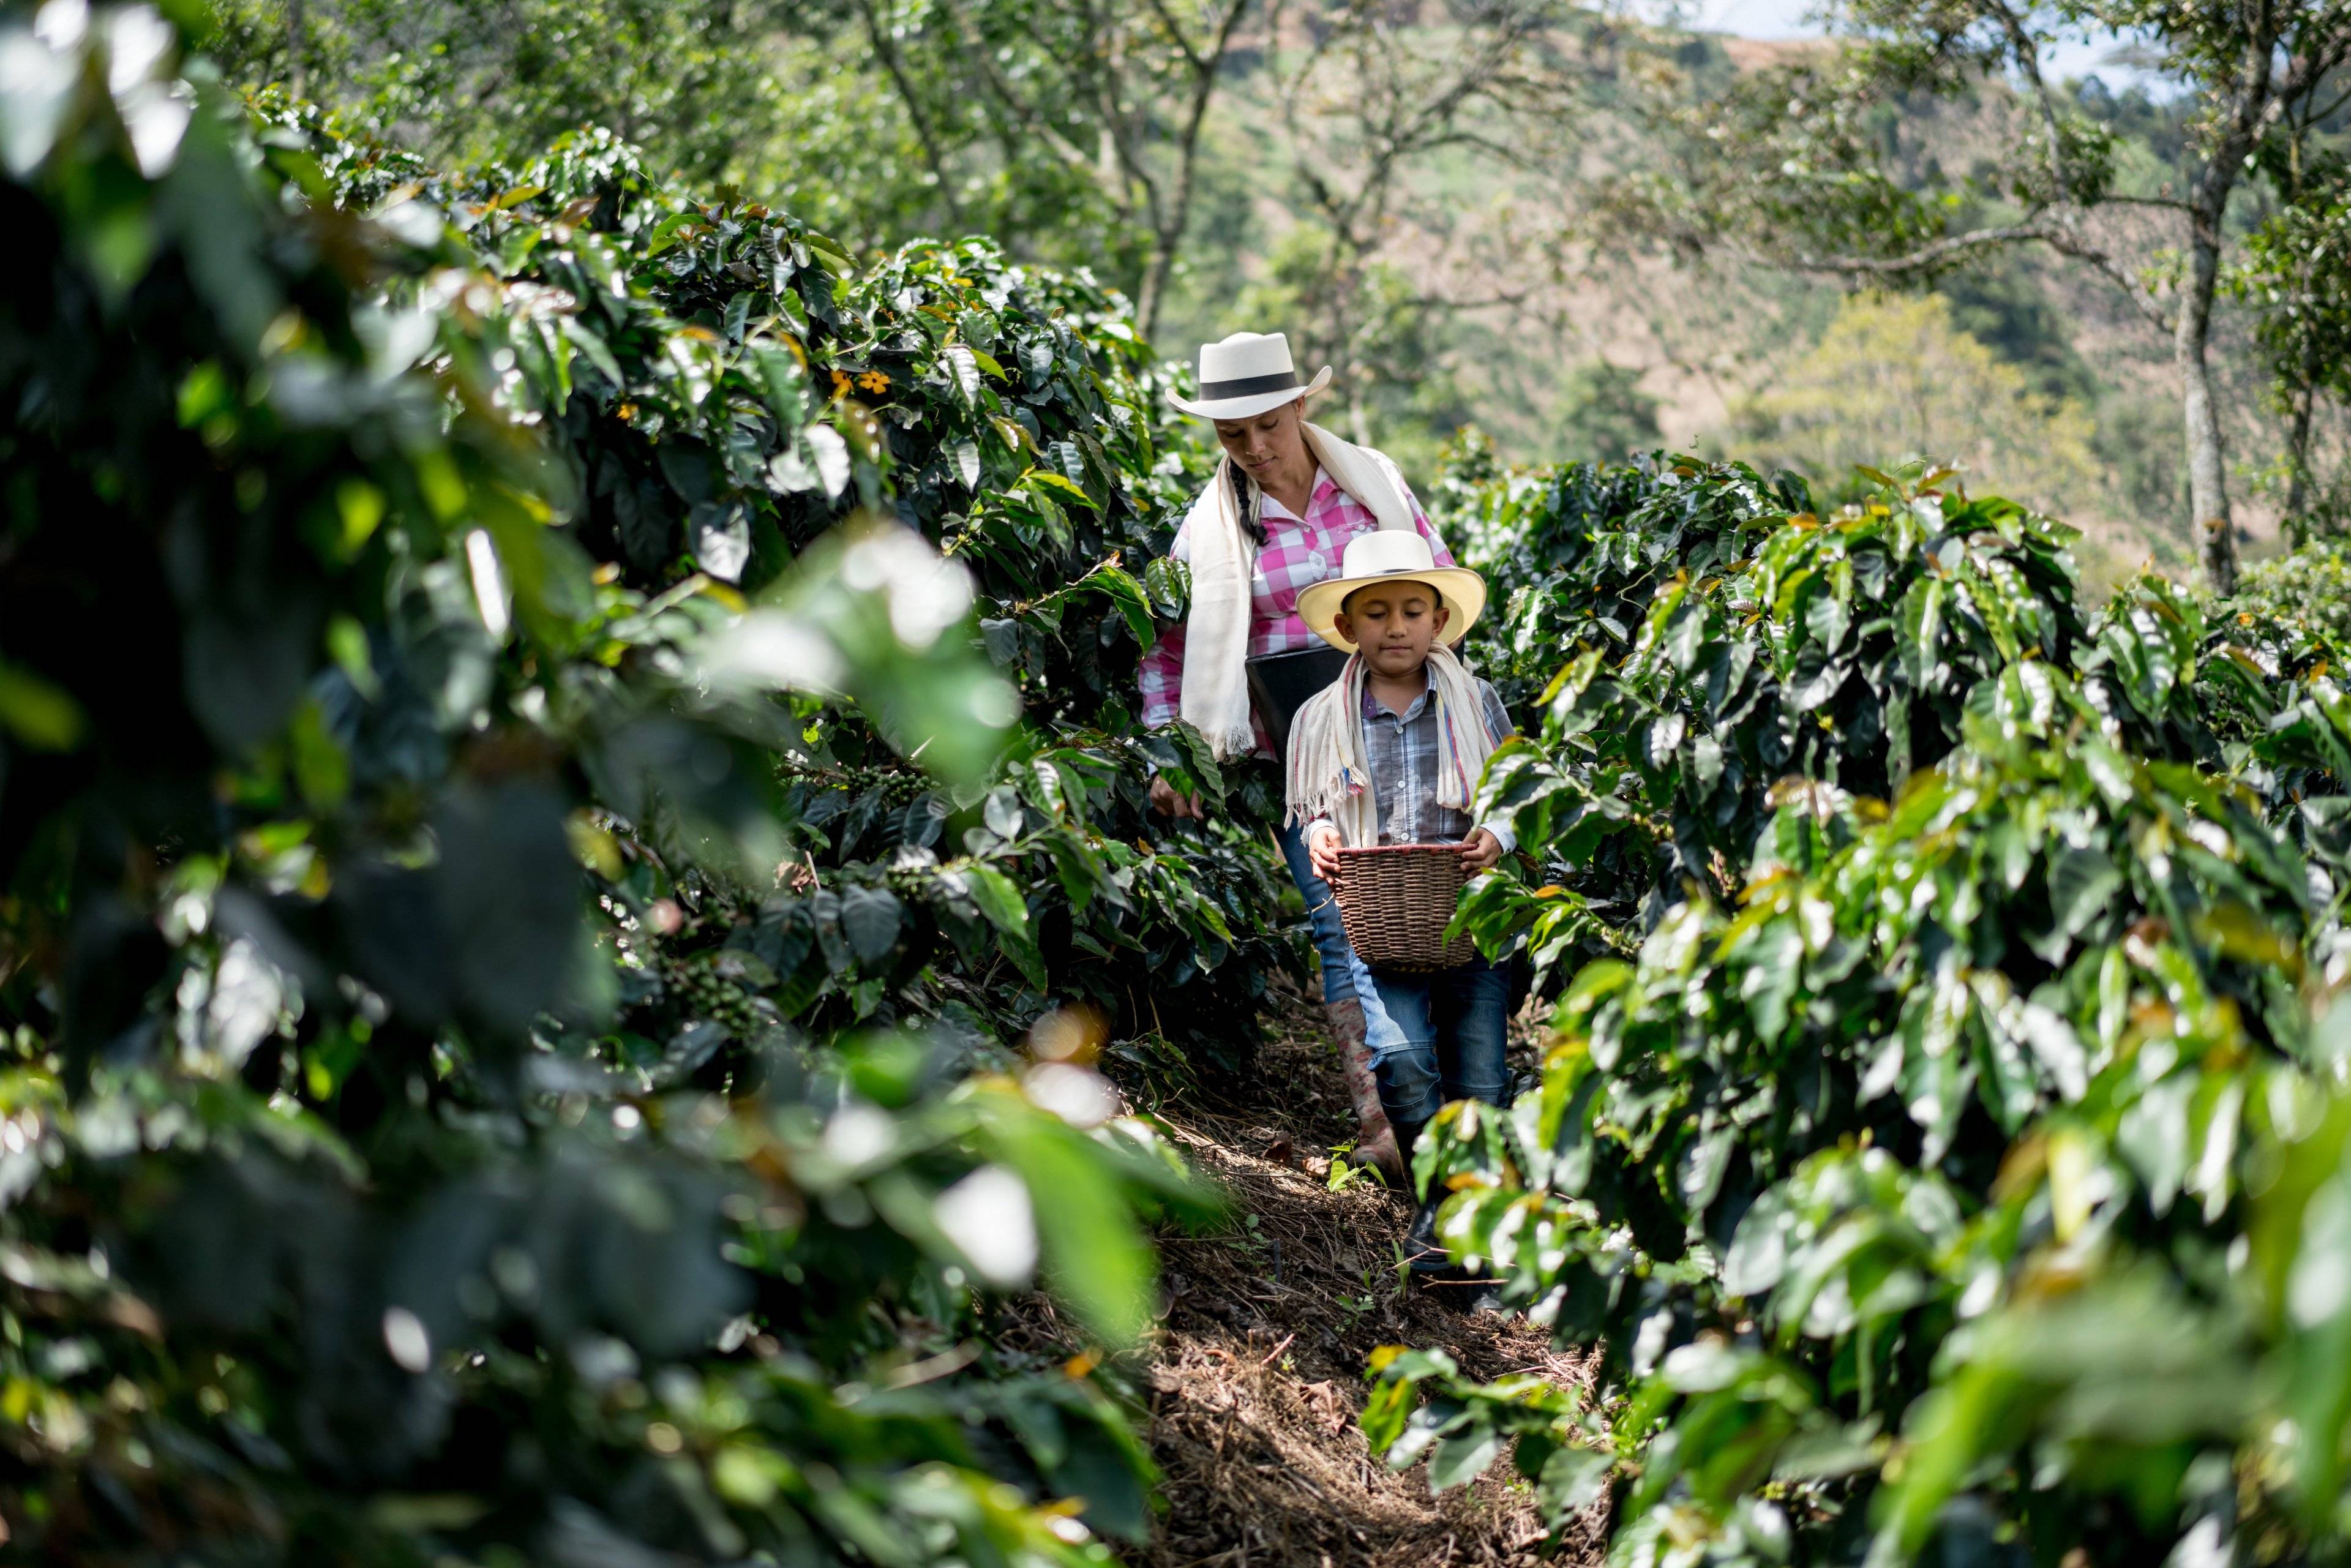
point(1248, 386)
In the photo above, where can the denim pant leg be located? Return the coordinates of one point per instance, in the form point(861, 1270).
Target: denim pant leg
point(1400, 1027)
point(1339, 968)
point(1472, 1005)
point(1437, 1038)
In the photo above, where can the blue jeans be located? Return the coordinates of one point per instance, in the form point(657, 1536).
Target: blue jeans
point(1436, 1037)
point(1344, 977)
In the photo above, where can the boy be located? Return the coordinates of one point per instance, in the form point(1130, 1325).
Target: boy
point(1391, 754)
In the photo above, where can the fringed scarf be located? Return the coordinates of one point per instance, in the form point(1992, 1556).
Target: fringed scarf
point(1223, 565)
point(1328, 776)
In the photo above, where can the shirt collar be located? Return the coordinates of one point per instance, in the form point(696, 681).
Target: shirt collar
point(1267, 506)
point(1371, 709)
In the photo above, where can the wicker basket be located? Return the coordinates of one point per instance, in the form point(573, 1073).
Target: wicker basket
point(1396, 900)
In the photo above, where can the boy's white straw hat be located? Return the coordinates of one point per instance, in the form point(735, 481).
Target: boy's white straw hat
point(1389, 555)
point(1246, 374)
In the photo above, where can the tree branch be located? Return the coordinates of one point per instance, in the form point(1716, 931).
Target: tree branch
point(1031, 119)
point(1120, 132)
point(888, 53)
point(1176, 31)
point(2067, 243)
point(1514, 296)
point(1169, 235)
point(2028, 57)
point(1928, 257)
point(2165, 204)
point(1426, 126)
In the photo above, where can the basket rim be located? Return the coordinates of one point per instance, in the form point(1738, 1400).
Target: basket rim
point(1399, 849)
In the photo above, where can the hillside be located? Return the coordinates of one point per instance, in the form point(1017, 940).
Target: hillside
point(1426, 195)
point(1556, 336)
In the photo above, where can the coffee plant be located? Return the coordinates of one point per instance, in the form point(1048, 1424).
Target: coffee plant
point(733, 392)
point(1936, 1146)
point(1838, 649)
point(1579, 551)
point(541, 962)
point(2308, 584)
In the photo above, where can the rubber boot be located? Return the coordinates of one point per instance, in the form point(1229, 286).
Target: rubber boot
point(1407, 1134)
point(1375, 1142)
point(1422, 1250)
point(1423, 1253)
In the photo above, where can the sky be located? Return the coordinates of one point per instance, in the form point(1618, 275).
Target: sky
point(1787, 19)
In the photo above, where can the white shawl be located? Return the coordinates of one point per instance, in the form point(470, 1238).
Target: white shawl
point(1330, 776)
point(1224, 563)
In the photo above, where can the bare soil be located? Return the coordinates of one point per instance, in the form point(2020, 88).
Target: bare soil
point(1257, 1378)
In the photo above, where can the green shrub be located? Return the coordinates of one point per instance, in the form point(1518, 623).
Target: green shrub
point(1578, 551)
point(1779, 1159)
point(1840, 650)
point(743, 392)
point(512, 861)
point(2312, 585)
point(1907, 1156)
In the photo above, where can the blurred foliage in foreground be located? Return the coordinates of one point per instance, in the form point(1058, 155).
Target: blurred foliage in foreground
point(1934, 1135)
point(522, 861)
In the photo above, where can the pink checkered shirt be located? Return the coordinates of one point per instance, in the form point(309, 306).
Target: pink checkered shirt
point(1297, 553)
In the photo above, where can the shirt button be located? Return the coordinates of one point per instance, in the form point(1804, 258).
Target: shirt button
point(1316, 566)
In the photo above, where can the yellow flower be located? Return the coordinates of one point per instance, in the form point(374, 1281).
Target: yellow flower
point(874, 381)
point(841, 382)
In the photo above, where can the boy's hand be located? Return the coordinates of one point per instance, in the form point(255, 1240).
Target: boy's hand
point(1479, 852)
point(1322, 849)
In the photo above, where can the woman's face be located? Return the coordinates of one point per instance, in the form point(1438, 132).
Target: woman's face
point(1268, 445)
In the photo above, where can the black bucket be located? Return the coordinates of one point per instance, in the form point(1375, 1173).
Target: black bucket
point(1280, 684)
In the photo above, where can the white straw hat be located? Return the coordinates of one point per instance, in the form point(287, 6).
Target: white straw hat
point(1386, 555)
point(1246, 374)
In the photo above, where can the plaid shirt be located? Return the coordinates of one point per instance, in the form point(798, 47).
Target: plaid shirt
point(1400, 749)
point(1297, 553)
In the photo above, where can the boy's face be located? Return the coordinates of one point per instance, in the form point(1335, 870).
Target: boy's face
point(1395, 624)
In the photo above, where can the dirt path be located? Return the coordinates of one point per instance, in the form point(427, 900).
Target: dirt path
point(1258, 1373)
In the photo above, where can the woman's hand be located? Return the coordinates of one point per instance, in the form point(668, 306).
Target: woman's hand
point(1480, 852)
point(1322, 850)
point(1164, 799)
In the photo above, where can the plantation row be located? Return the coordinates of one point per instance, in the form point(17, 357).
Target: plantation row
point(1939, 1130)
point(556, 739)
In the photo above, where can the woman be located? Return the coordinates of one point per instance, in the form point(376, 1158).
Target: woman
point(1275, 517)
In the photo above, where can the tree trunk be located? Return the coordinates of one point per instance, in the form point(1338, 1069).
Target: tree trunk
point(1167, 240)
point(1155, 289)
point(2297, 446)
point(1169, 226)
point(2207, 483)
point(887, 53)
point(298, 80)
